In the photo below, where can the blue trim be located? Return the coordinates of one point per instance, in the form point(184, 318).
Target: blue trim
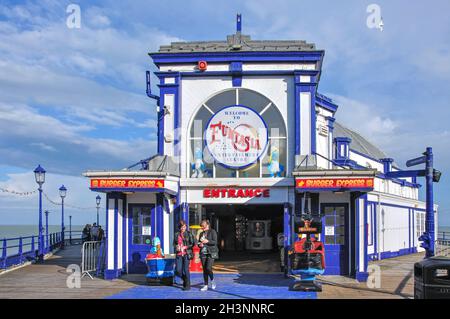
point(375, 228)
point(110, 274)
point(236, 71)
point(366, 235)
point(357, 235)
point(124, 233)
point(107, 235)
point(297, 119)
point(362, 276)
point(160, 218)
point(263, 151)
point(326, 103)
point(194, 57)
point(287, 233)
point(400, 252)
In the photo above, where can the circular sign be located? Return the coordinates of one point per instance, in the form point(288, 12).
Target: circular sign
point(236, 136)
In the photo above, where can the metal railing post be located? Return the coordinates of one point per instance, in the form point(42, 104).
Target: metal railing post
point(20, 250)
point(32, 244)
point(4, 253)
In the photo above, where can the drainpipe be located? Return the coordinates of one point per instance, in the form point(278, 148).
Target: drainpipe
point(379, 227)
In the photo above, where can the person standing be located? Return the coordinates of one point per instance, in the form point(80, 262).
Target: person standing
point(101, 233)
point(208, 252)
point(94, 232)
point(183, 243)
point(86, 236)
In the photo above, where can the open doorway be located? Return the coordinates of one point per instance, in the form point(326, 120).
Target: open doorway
point(247, 236)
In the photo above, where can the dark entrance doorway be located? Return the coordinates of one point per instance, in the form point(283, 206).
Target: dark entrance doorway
point(247, 236)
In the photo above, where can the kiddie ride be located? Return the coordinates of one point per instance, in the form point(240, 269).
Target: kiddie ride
point(161, 268)
point(307, 258)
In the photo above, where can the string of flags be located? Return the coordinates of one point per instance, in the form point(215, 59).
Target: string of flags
point(4, 190)
point(67, 205)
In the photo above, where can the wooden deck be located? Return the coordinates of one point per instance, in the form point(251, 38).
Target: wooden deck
point(48, 280)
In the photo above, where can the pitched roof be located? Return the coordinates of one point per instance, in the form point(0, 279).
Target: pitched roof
point(237, 43)
point(359, 143)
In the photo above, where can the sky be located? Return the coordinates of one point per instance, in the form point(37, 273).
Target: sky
point(73, 99)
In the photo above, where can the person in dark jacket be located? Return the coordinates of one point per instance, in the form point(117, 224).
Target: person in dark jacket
point(183, 243)
point(208, 252)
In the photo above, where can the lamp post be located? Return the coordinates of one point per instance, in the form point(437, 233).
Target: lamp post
point(39, 174)
point(46, 230)
point(62, 193)
point(97, 199)
point(70, 229)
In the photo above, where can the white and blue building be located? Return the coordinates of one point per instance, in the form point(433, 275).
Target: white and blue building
point(243, 130)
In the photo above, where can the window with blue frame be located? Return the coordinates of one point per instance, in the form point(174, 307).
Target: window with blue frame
point(272, 163)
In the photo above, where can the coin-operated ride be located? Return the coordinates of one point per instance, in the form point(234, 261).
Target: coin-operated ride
point(307, 258)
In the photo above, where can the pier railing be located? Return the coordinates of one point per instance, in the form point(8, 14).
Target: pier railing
point(442, 246)
point(18, 250)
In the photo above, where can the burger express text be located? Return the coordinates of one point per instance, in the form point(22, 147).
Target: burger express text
point(235, 193)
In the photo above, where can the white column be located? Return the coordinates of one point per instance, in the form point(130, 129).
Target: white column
point(111, 208)
point(120, 234)
point(169, 134)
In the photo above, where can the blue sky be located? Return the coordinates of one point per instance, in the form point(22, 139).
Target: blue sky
point(74, 99)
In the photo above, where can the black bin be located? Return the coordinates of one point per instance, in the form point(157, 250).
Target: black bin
point(432, 278)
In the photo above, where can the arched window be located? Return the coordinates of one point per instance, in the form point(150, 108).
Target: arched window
point(272, 160)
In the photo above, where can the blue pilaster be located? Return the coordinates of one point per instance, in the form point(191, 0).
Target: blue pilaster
point(287, 224)
point(311, 87)
point(160, 218)
point(169, 88)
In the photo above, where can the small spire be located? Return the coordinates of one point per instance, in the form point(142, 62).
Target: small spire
point(238, 23)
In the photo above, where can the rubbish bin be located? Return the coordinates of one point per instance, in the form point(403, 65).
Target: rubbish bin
point(432, 278)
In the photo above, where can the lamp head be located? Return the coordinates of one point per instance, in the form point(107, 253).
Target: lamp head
point(62, 191)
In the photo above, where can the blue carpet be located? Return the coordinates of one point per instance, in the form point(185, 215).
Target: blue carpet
point(229, 286)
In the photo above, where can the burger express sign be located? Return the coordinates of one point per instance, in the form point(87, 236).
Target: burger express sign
point(236, 136)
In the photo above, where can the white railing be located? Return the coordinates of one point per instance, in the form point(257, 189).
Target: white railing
point(90, 254)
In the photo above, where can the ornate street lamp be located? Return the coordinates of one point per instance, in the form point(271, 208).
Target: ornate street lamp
point(98, 199)
point(62, 193)
point(39, 174)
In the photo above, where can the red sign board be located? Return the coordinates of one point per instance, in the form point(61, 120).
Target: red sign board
point(235, 192)
point(127, 183)
point(334, 183)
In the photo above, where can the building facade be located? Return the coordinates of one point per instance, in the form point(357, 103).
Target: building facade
point(244, 133)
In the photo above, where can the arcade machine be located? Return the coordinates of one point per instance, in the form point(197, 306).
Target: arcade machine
point(307, 258)
point(259, 238)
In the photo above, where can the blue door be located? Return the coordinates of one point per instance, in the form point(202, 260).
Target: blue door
point(140, 235)
point(336, 238)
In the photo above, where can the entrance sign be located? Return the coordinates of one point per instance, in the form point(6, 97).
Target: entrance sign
point(334, 183)
point(236, 136)
point(235, 193)
point(127, 183)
